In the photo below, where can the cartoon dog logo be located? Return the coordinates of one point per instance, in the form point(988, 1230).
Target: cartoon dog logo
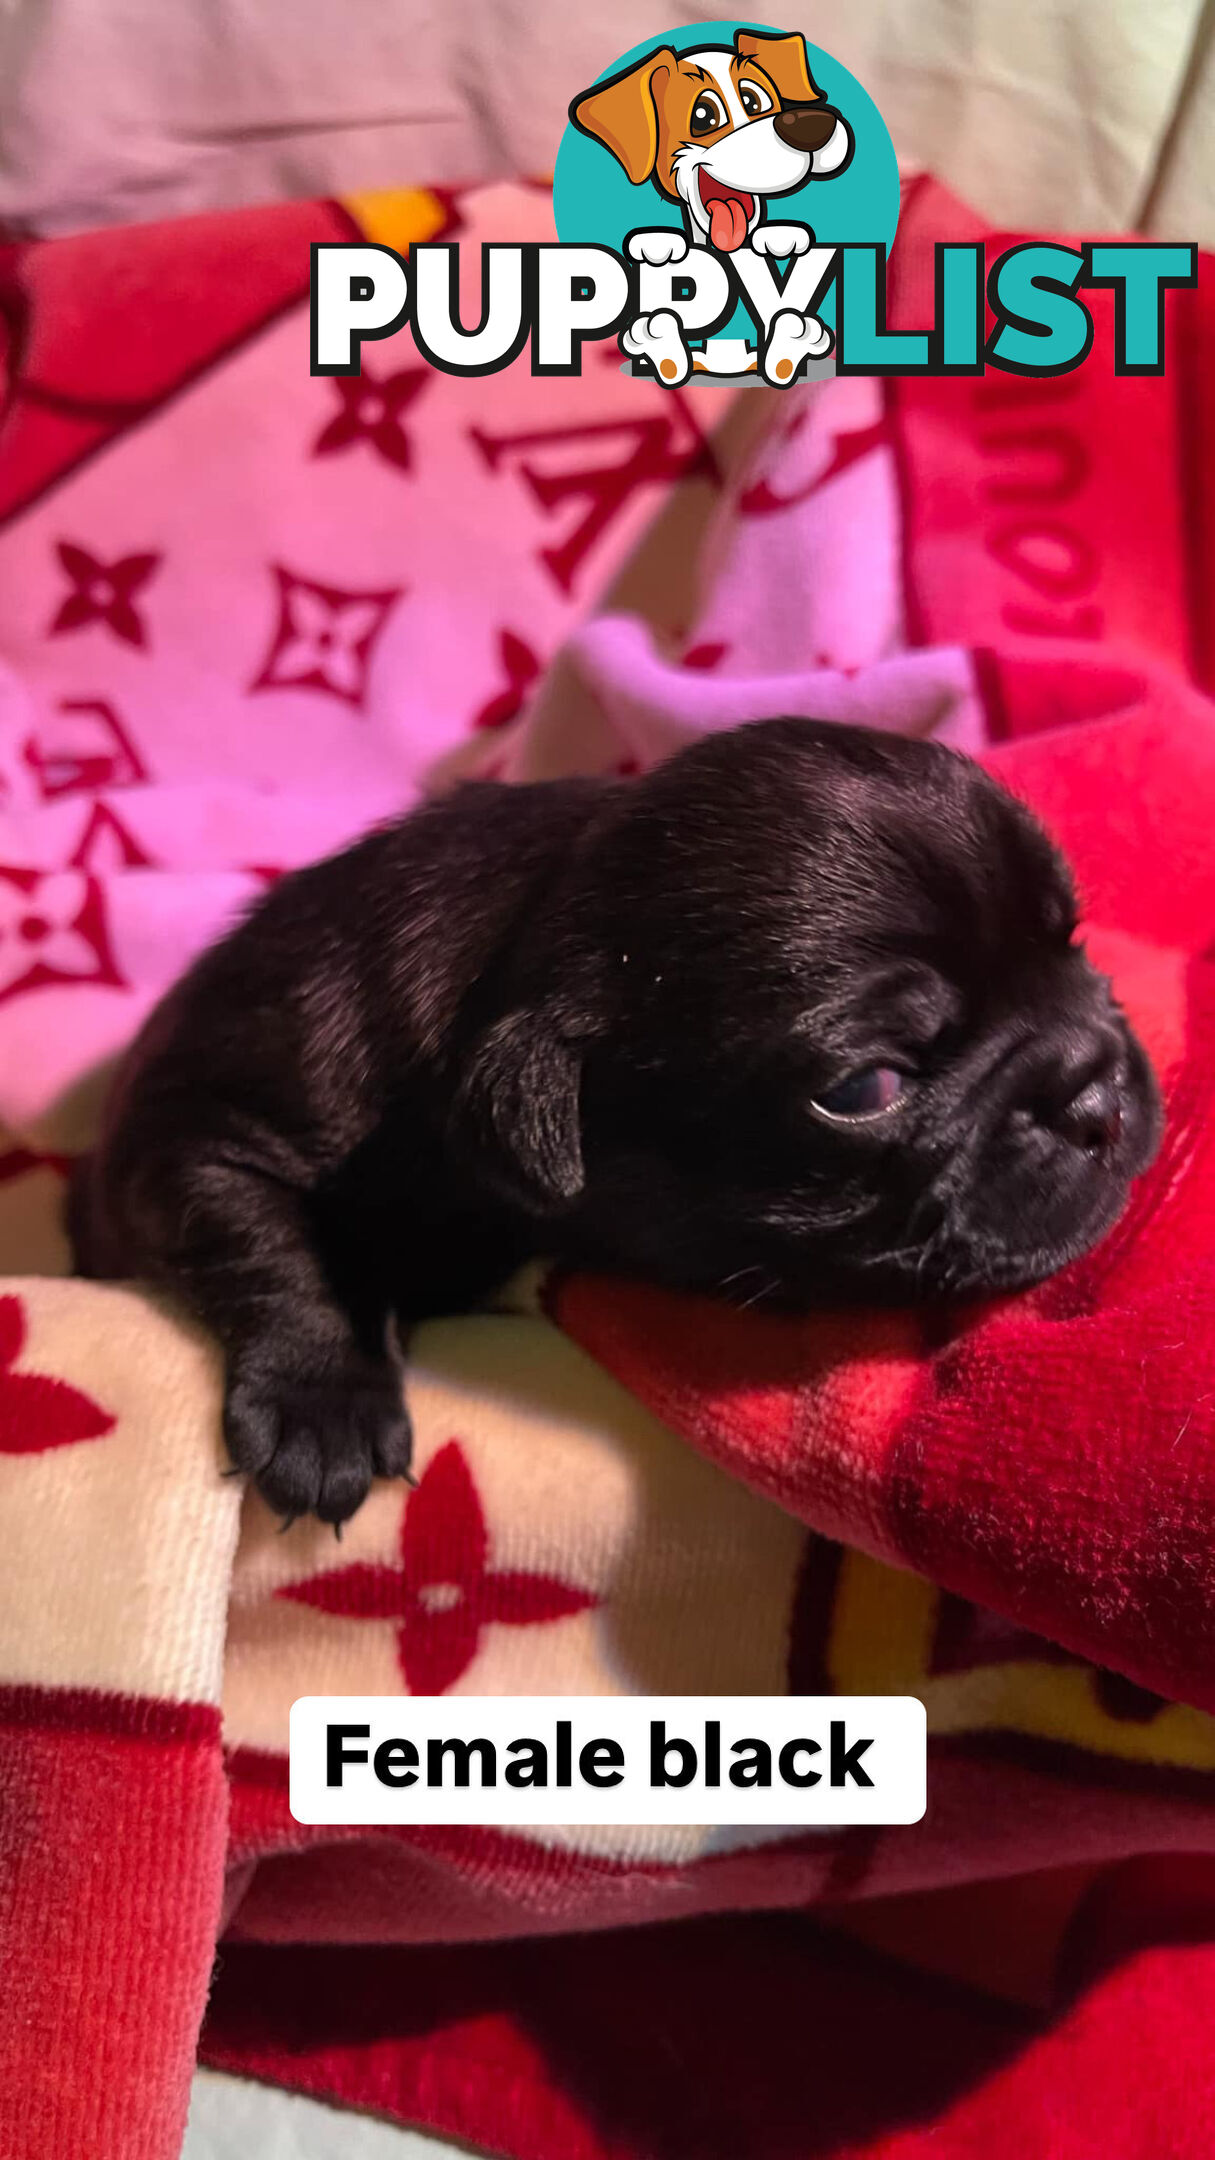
point(720, 130)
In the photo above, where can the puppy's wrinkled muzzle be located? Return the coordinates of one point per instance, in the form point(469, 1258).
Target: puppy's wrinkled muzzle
point(1080, 1120)
point(1078, 1092)
point(1092, 1120)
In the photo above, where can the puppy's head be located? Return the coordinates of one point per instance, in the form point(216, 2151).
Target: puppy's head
point(807, 1020)
point(718, 130)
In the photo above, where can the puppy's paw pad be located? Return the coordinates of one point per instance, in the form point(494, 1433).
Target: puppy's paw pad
point(657, 248)
point(659, 339)
point(781, 240)
point(794, 339)
point(313, 1447)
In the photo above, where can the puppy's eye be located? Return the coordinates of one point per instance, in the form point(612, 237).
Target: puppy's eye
point(707, 113)
point(863, 1095)
point(754, 100)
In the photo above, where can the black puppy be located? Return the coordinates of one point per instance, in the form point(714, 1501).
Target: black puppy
point(798, 1017)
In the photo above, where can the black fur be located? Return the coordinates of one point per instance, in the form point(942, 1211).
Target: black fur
point(593, 1019)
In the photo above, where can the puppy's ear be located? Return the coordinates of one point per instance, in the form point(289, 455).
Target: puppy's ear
point(784, 61)
point(623, 114)
point(517, 1104)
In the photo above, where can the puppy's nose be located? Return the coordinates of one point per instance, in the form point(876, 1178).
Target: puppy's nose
point(805, 127)
point(1092, 1120)
point(1080, 1098)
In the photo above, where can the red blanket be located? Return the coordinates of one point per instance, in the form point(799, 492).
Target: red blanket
point(1032, 1969)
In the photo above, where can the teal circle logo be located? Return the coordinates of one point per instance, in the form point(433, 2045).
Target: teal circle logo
point(750, 143)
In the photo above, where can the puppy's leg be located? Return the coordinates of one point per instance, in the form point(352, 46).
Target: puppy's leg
point(314, 1405)
point(277, 1141)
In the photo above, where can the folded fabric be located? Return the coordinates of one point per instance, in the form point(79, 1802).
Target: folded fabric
point(243, 612)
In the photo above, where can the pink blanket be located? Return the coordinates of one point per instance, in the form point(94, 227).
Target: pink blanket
point(243, 612)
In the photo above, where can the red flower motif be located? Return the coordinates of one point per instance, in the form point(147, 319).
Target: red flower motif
point(444, 1591)
point(53, 930)
point(36, 1411)
point(324, 638)
point(522, 670)
point(370, 411)
point(103, 592)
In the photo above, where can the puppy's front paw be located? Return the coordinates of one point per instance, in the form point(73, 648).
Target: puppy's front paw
point(313, 1442)
point(659, 339)
point(662, 246)
point(793, 339)
point(781, 240)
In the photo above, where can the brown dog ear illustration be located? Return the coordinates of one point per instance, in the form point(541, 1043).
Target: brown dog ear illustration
point(784, 61)
point(623, 114)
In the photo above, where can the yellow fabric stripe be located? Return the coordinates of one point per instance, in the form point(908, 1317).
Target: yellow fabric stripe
point(392, 217)
point(881, 1642)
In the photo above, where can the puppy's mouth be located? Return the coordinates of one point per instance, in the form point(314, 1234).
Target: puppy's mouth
point(729, 212)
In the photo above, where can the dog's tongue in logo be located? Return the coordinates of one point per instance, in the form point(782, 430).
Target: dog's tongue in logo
point(729, 212)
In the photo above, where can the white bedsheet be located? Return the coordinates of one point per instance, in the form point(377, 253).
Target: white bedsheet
point(235, 2119)
point(1084, 114)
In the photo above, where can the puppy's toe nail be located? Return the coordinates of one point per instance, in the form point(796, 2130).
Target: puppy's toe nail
point(347, 1481)
point(392, 1449)
point(291, 1483)
point(251, 1426)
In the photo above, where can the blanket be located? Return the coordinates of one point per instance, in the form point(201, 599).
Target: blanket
point(242, 613)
